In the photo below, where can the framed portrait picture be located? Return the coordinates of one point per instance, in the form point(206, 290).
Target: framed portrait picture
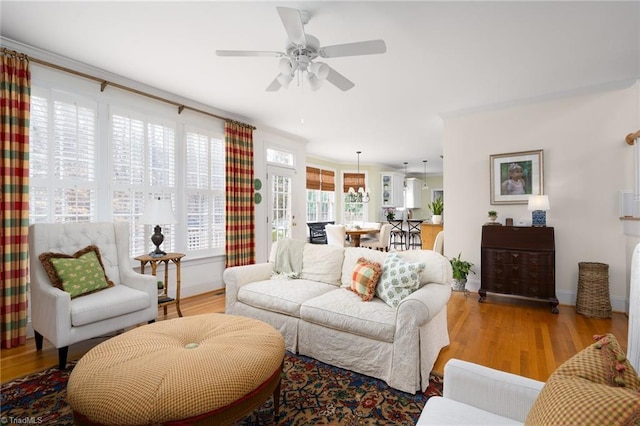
point(515, 176)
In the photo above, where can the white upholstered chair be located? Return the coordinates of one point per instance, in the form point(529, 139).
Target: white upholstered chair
point(382, 242)
point(64, 321)
point(438, 243)
point(469, 395)
point(336, 235)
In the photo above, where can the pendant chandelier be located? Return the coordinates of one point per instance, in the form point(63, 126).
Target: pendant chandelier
point(362, 194)
point(404, 181)
point(425, 186)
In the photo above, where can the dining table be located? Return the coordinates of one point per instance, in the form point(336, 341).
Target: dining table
point(356, 233)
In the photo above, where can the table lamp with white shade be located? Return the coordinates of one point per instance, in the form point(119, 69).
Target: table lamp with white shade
point(158, 212)
point(538, 205)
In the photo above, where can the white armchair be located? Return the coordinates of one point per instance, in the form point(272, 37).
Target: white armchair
point(478, 395)
point(64, 321)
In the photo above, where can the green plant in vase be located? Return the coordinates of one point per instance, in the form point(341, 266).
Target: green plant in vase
point(493, 215)
point(390, 213)
point(437, 208)
point(461, 269)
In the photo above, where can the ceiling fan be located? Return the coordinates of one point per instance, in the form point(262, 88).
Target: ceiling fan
point(301, 51)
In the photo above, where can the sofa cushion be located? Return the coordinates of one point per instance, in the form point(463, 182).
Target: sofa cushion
point(444, 411)
point(321, 262)
point(598, 385)
point(78, 274)
point(343, 310)
point(108, 303)
point(282, 296)
point(399, 279)
point(365, 278)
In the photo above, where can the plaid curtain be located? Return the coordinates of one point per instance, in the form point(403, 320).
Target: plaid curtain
point(239, 209)
point(14, 214)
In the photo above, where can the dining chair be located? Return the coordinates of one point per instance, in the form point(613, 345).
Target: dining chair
point(438, 243)
point(382, 242)
point(414, 238)
point(398, 234)
point(336, 235)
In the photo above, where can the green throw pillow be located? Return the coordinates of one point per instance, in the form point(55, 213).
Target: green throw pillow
point(399, 279)
point(78, 274)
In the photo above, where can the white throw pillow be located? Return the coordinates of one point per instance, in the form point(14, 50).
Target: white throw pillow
point(399, 279)
point(322, 262)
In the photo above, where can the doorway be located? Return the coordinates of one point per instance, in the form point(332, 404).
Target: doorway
point(280, 202)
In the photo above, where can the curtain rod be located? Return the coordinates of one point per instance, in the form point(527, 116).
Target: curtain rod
point(104, 83)
point(631, 137)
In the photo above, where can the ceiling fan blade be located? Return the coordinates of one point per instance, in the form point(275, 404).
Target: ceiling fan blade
point(248, 53)
point(274, 86)
point(293, 24)
point(339, 80)
point(370, 47)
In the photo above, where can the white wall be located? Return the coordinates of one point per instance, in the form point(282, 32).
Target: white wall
point(586, 161)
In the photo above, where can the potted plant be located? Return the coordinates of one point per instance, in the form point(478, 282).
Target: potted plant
point(493, 215)
point(390, 213)
point(461, 269)
point(436, 207)
point(160, 288)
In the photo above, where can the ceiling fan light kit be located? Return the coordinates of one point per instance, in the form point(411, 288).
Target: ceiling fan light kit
point(303, 48)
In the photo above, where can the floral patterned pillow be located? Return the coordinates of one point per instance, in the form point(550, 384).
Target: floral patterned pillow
point(399, 279)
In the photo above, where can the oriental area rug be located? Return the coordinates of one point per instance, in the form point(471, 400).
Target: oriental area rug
point(311, 393)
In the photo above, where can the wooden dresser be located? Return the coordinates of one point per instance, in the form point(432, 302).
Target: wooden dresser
point(428, 232)
point(519, 261)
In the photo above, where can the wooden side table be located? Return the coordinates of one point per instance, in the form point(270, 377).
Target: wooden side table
point(164, 300)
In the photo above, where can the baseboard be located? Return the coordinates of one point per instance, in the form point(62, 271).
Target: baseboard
point(568, 298)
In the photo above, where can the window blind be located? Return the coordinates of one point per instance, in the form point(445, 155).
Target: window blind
point(353, 180)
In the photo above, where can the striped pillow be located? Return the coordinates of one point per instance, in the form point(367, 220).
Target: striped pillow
point(365, 278)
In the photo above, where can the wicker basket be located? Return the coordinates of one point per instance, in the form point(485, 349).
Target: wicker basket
point(593, 290)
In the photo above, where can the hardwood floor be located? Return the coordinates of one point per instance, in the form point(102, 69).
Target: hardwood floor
point(515, 335)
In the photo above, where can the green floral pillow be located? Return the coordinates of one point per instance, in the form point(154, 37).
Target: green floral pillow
point(79, 274)
point(399, 279)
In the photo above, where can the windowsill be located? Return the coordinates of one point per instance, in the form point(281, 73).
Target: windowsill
point(631, 225)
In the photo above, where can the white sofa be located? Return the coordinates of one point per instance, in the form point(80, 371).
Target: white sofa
point(320, 318)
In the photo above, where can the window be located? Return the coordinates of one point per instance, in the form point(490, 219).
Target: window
point(79, 173)
point(63, 184)
point(354, 211)
point(320, 195)
point(279, 157)
point(205, 185)
point(143, 166)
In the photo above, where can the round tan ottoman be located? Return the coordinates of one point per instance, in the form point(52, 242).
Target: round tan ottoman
point(204, 369)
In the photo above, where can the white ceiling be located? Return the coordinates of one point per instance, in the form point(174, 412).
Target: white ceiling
point(443, 58)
